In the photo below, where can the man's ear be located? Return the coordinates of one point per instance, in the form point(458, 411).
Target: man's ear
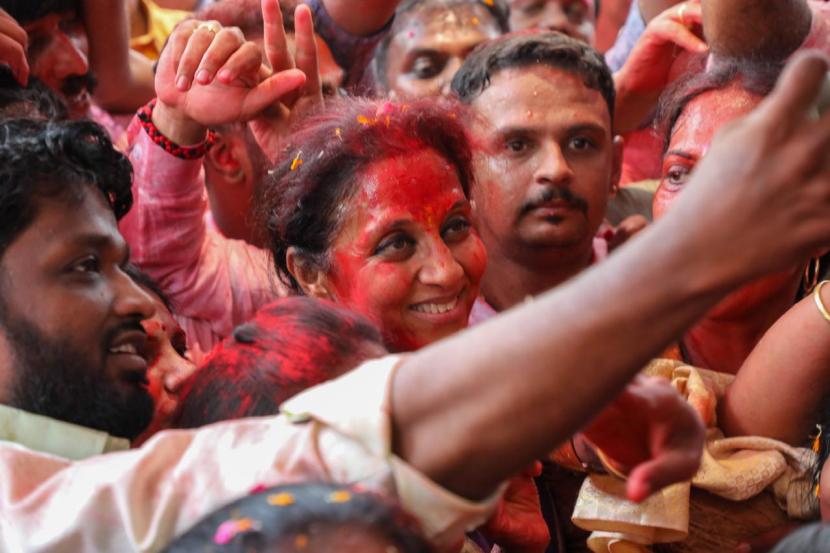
point(223, 159)
point(312, 279)
point(617, 148)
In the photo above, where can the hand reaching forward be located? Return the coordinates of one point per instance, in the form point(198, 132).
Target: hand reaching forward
point(650, 433)
point(210, 76)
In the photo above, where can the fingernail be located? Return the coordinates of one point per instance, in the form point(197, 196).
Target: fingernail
point(743, 548)
point(203, 76)
point(182, 83)
point(225, 75)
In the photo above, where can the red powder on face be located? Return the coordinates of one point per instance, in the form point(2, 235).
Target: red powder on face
point(395, 250)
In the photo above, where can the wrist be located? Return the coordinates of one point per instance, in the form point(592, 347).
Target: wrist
point(177, 127)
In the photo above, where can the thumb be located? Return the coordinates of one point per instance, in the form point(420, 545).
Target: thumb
point(270, 91)
point(663, 470)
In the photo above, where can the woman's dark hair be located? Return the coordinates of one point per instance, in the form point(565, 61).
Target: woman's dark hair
point(528, 49)
point(51, 159)
point(754, 76)
point(302, 201)
point(497, 8)
point(290, 345)
point(290, 517)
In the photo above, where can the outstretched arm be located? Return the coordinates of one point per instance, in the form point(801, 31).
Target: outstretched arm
point(516, 387)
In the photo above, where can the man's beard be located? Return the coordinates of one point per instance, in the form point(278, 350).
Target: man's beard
point(55, 380)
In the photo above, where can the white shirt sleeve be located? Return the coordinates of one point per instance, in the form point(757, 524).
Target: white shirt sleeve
point(139, 500)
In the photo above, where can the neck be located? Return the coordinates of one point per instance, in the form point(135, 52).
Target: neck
point(510, 279)
point(723, 343)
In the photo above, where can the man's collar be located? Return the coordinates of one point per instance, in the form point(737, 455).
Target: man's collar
point(55, 437)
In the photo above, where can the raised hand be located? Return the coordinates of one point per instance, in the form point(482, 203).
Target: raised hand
point(211, 76)
point(13, 44)
point(270, 127)
point(649, 66)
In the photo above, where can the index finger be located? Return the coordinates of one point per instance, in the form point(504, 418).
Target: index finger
point(274, 42)
point(306, 55)
point(795, 92)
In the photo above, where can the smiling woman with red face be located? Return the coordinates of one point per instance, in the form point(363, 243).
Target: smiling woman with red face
point(371, 212)
point(695, 111)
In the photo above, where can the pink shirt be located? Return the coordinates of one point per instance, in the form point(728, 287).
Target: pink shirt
point(215, 283)
point(137, 501)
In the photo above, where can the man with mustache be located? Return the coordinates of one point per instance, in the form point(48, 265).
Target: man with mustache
point(548, 162)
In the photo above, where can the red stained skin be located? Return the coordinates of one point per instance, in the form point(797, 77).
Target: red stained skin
point(168, 366)
point(59, 49)
point(407, 241)
point(760, 302)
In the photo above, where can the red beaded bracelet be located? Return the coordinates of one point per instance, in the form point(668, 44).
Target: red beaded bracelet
point(145, 116)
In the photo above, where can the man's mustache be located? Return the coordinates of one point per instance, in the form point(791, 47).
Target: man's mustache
point(72, 86)
point(555, 193)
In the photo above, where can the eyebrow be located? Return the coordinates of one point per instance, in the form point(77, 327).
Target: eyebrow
point(530, 129)
point(100, 242)
point(680, 153)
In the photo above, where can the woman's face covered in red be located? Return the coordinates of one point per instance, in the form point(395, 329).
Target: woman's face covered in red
point(690, 140)
point(407, 255)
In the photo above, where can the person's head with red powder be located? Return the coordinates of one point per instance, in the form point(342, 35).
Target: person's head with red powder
point(369, 209)
point(428, 42)
point(691, 112)
point(292, 344)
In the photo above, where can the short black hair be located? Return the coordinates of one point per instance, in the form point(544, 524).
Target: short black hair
point(26, 11)
point(34, 101)
point(497, 8)
point(277, 518)
point(48, 159)
point(755, 76)
point(528, 49)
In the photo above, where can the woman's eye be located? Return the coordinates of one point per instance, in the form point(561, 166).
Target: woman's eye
point(425, 67)
point(677, 175)
point(456, 230)
point(399, 246)
point(533, 8)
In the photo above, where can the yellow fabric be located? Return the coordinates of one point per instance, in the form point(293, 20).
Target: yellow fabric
point(160, 23)
point(55, 437)
point(733, 468)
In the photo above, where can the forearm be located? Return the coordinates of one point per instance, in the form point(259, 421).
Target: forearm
point(125, 77)
point(770, 29)
point(780, 387)
point(558, 361)
point(361, 17)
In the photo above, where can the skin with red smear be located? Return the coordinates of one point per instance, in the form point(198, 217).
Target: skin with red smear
point(168, 366)
point(725, 336)
point(407, 256)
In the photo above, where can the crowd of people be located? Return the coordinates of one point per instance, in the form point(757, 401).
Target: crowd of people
point(445, 276)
